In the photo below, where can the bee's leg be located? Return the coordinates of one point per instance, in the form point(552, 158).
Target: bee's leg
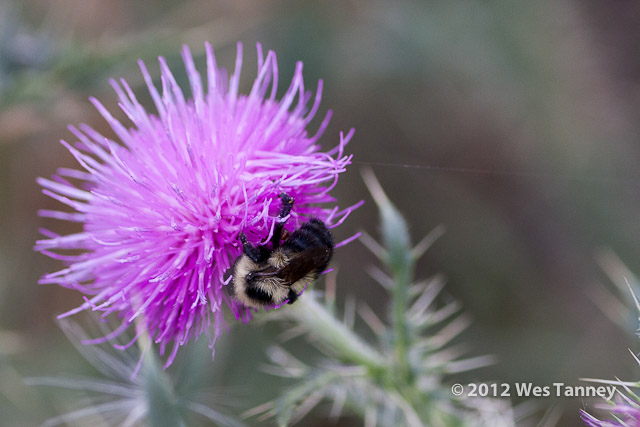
point(285, 209)
point(257, 254)
point(292, 296)
point(287, 204)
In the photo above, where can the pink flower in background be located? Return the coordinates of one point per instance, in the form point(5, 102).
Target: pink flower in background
point(162, 208)
point(627, 414)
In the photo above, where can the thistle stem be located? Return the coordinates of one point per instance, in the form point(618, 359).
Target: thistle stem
point(399, 323)
point(395, 235)
point(160, 396)
point(343, 341)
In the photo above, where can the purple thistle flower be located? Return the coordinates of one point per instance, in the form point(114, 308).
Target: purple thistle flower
point(162, 209)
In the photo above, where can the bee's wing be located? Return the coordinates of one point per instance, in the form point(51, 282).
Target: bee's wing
point(304, 263)
point(298, 266)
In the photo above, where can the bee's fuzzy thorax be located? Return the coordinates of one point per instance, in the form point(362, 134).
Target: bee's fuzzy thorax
point(278, 259)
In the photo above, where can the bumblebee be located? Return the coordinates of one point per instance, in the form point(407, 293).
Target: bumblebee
point(264, 277)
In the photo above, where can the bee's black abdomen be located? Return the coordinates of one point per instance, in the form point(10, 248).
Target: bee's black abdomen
point(311, 235)
point(321, 231)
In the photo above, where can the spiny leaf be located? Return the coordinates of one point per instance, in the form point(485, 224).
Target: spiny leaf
point(288, 403)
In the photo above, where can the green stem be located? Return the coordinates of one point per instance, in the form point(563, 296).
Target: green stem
point(395, 235)
point(343, 341)
point(400, 301)
point(161, 399)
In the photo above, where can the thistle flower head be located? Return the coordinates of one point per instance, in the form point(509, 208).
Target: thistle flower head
point(162, 205)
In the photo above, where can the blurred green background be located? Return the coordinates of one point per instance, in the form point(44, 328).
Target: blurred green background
point(514, 124)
